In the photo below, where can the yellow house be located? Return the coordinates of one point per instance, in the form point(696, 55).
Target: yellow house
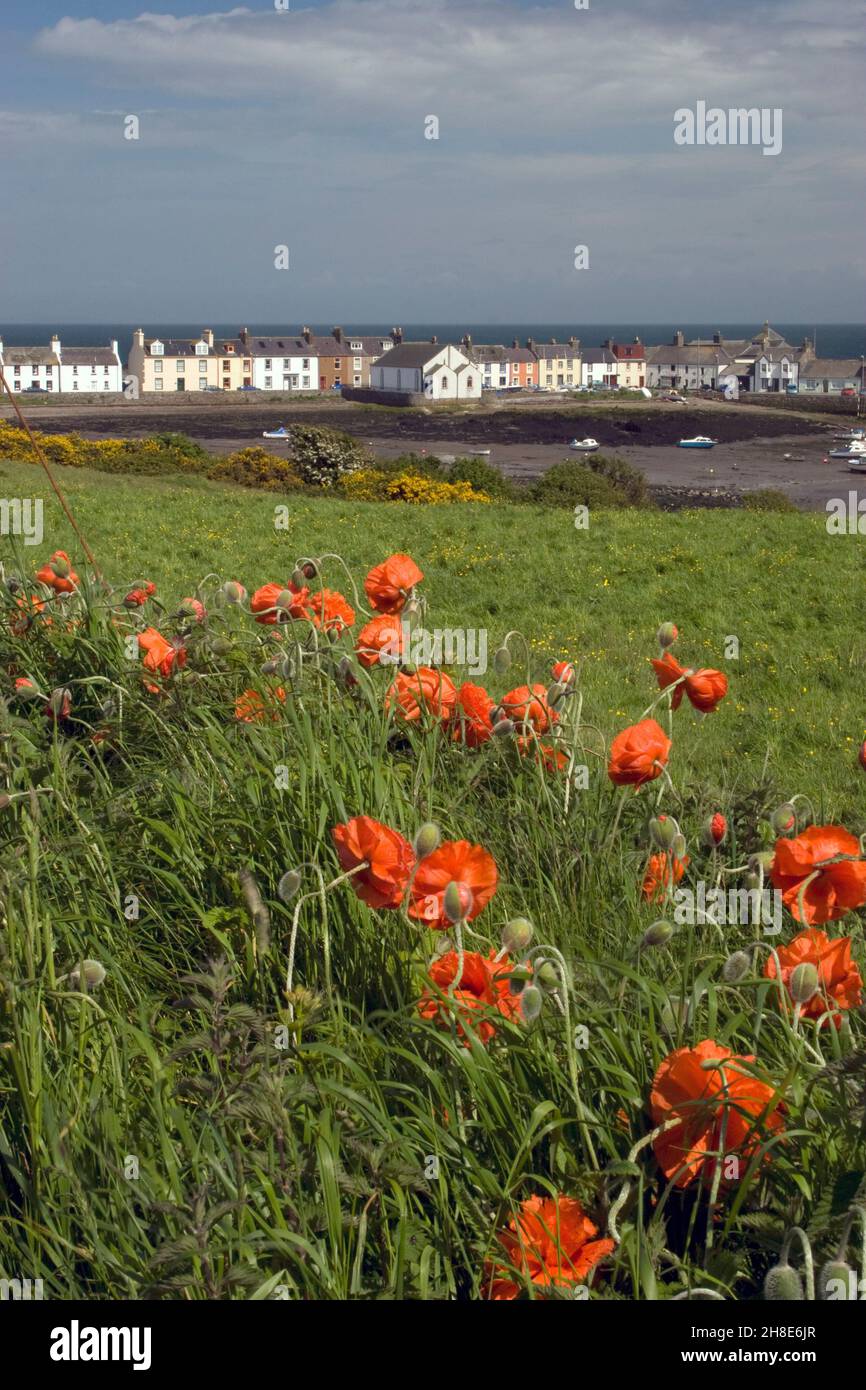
point(558, 364)
point(189, 364)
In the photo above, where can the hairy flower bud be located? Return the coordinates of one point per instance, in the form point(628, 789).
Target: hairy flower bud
point(427, 839)
point(678, 847)
point(548, 977)
point(288, 885)
point(501, 660)
point(830, 1275)
point(783, 1282)
point(663, 831)
point(61, 567)
point(715, 829)
point(555, 693)
point(659, 934)
point(761, 862)
point(284, 600)
point(518, 978)
point(531, 1001)
point(233, 591)
point(803, 982)
point(736, 967)
point(457, 901)
point(784, 818)
point(667, 635)
point(87, 975)
point(516, 935)
point(503, 727)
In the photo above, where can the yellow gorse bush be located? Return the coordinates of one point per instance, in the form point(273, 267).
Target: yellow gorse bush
point(373, 485)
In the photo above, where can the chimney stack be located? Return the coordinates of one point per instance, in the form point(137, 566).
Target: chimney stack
point(114, 347)
point(207, 336)
point(338, 334)
point(307, 334)
point(397, 335)
point(530, 343)
point(434, 340)
point(55, 344)
point(244, 335)
point(679, 340)
point(138, 338)
point(717, 338)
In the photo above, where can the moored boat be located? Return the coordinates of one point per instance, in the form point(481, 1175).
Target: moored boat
point(584, 446)
point(280, 433)
point(700, 441)
point(856, 449)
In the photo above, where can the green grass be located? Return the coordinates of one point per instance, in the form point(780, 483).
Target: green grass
point(176, 1133)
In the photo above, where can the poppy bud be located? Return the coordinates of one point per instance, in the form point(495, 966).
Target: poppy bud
point(659, 934)
point(220, 646)
point(411, 611)
point(714, 830)
point(663, 831)
point(234, 592)
point(59, 704)
point(736, 967)
point(26, 690)
point(516, 935)
point(548, 978)
point(298, 578)
point(288, 885)
point(427, 840)
point(531, 1001)
point(784, 818)
point(270, 667)
point(503, 727)
point(783, 1282)
point(831, 1272)
point(761, 861)
point(61, 567)
point(457, 901)
point(5, 800)
point(87, 975)
point(803, 983)
point(284, 599)
point(501, 660)
point(555, 693)
point(408, 668)
point(189, 608)
point(752, 880)
point(667, 635)
point(564, 672)
point(679, 846)
point(309, 569)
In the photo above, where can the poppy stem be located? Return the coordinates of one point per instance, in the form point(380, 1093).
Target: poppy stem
point(807, 1258)
point(319, 893)
point(801, 895)
point(612, 1228)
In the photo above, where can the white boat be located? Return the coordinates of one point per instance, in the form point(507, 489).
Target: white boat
point(700, 441)
point(584, 446)
point(857, 463)
point(850, 435)
point(281, 433)
point(856, 449)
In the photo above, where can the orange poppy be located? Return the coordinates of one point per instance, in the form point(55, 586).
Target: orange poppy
point(564, 672)
point(263, 603)
point(528, 705)
point(638, 754)
point(483, 988)
point(329, 610)
point(58, 574)
point(455, 861)
point(253, 708)
point(136, 598)
point(718, 1110)
point(161, 655)
point(380, 638)
point(389, 859)
point(705, 688)
point(471, 719)
point(553, 759)
point(836, 888)
point(552, 1243)
point(192, 608)
point(840, 982)
point(387, 586)
point(423, 689)
point(21, 623)
point(661, 870)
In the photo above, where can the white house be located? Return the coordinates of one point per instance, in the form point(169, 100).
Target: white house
point(598, 367)
point(441, 373)
point(56, 368)
point(281, 364)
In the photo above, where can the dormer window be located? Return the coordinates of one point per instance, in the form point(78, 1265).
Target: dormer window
point(156, 349)
point(201, 348)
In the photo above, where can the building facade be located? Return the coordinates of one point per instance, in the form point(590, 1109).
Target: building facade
point(559, 364)
point(441, 373)
point(189, 364)
point(60, 369)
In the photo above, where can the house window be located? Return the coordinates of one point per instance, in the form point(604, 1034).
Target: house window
point(306, 364)
point(305, 381)
point(157, 385)
point(469, 381)
point(179, 364)
point(358, 379)
point(357, 364)
point(267, 364)
point(267, 381)
point(75, 385)
point(157, 367)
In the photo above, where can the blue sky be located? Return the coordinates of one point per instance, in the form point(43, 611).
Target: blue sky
point(306, 128)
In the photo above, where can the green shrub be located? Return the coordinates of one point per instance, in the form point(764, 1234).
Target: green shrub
point(180, 444)
point(571, 484)
point(256, 467)
point(419, 465)
point(322, 455)
point(767, 499)
point(624, 476)
point(483, 477)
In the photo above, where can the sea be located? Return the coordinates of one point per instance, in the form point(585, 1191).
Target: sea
point(831, 339)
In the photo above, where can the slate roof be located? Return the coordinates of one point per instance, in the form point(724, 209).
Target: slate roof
point(410, 355)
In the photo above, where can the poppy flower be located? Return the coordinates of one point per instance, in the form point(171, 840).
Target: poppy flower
point(423, 689)
point(191, 608)
point(328, 610)
point(263, 603)
point(388, 857)
point(551, 1242)
point(20, 623)
point(718, 1110)
point(528, 705)
point(840, 983)
point(471, 719)
point(564, 672)
point(253, 708)
point(661, 870)
point(483, 988)
point(161, 655)
point(638, 754)
point(836, 888)
point(381, 640)
point(136, 598)
point(455, 861)
point(58, 574)
point(553, 759)
point(705, 688)
point(387, 586)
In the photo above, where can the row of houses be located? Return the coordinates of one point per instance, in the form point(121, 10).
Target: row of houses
point(340, 361)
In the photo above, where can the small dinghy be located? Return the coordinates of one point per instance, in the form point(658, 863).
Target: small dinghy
point(281, 433)
point(700, 441)
point(855, 450)
point(584, 446)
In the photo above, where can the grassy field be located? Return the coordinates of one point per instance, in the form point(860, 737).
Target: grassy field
point(779, 584)
point(219, 1080)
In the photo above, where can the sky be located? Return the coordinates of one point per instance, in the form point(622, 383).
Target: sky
point(261, 127)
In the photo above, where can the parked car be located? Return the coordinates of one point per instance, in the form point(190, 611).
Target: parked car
point(248, 388)
point(848, 391)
